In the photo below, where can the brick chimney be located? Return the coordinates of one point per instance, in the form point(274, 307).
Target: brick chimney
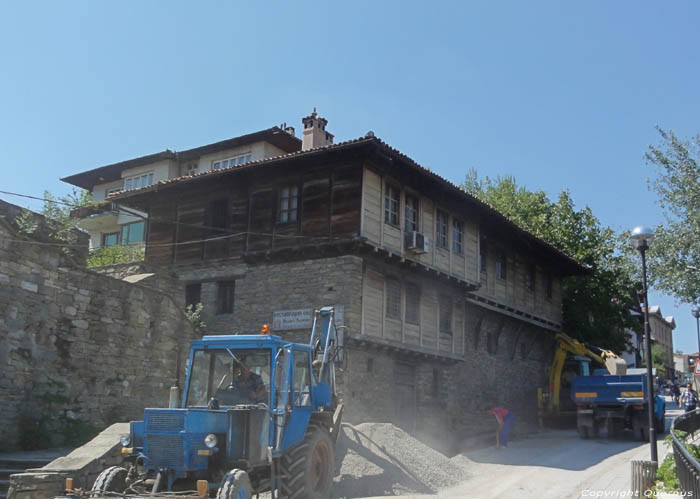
point(315, 134)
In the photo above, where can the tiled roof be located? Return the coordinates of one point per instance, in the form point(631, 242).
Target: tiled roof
point(369, 139)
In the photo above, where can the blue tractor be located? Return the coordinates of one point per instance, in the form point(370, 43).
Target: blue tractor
point(258, 413)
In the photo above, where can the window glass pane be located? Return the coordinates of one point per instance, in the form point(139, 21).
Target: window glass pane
point(445, 304)
point(135, 233)
point(217, 165)
point(125, 233)
point(249, 157)
point(283, 216)
point(294, 190)
point(285, 192)
point(293, 215)
point(393, 298)
point(224, 297)
point(293, 202)
point(150, 179)
point(193, 294)
point(111, 239)
point(412, 303)
point(127, 184)
point(302, 379)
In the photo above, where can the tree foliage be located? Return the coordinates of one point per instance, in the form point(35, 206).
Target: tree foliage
point(596, 307)
point(57, 223)
point(674, 255)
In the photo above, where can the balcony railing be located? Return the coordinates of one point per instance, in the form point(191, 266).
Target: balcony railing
point(94, 209)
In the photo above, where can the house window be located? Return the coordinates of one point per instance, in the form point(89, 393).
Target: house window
point(192, 169)
point(133, 233)
point(441, 239)
point(483, 254)
point(411, 214)
point(391, 205)
point(530, 278)
point(217, 212)
point(108, 192)
point(193, 294)
point(457, 236)
point(549, 285)
point(393, 298)
point(436, 383)
point(289, 202)
point(226, 163)
point(224, 297)
point(138, 181)
point(111, 239)
point(412, 303)
point(445, 305)
point(501, 266)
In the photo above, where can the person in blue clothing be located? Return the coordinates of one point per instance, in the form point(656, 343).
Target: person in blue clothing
point(689, 398)
point(505, 420)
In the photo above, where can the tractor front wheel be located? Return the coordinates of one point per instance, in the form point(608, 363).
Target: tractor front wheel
point(111, 480)
point(235, 485)
point(308, 468)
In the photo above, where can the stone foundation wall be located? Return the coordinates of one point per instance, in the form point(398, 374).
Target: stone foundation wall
point(263, 289)
point(79, 349)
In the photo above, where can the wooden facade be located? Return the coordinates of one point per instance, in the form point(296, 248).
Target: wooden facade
point(239, 215)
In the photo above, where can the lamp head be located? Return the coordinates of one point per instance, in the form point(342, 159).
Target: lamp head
point(695, 311)
point(641, 235)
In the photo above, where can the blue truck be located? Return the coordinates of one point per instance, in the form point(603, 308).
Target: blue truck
point(258, 413)
point(616, 402)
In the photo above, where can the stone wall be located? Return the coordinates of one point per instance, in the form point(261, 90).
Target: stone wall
point(79, 348)
point(263, 289)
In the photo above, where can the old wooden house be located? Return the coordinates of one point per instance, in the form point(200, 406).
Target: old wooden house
point(448, 307)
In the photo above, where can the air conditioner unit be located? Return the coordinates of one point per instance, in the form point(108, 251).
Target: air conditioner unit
point(416, 242)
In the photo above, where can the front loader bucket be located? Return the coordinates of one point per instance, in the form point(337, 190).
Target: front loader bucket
point(617, 367)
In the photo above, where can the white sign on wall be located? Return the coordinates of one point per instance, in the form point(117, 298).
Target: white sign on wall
point(301, 318)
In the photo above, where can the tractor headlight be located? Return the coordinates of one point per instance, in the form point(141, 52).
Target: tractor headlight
point(125, 440)
point(210, 441)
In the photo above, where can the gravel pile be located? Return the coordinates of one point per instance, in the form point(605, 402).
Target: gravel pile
point(376, 459)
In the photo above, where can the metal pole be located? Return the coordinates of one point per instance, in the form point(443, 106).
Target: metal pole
point(697, 323)
point(650, 382)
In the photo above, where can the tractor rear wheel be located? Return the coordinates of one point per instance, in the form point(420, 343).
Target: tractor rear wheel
point(308, 468)
point(235, 485)
point(111, 480)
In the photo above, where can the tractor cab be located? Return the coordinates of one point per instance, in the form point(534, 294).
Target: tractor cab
point(248, 401)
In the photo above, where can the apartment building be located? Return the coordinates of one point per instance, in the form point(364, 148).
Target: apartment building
point(109, 225)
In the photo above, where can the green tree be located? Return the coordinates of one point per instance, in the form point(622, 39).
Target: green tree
point(674, 255)
point(57, 221)
point(658, 360)
point(596, 307)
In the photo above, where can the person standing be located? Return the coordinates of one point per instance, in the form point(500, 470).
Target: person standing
point(505, 420)
point(689, 398)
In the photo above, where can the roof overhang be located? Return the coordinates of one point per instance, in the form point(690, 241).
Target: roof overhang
point(138, 198)
point(109, 173)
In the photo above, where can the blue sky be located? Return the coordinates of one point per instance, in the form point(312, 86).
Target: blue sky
point(561, 95)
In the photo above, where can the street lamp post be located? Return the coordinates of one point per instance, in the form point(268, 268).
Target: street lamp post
point(641, 237)
point(696, 313)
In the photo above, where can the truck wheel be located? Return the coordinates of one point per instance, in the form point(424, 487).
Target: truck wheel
point(111, 480)
point(235, 485)
point(308, 468)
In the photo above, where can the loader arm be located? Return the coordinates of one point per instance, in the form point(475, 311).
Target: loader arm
point(567, 345)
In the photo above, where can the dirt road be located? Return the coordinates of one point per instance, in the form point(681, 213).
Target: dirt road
point(554, 464)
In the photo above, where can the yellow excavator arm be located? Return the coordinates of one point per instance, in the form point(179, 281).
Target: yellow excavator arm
point(548, 400)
